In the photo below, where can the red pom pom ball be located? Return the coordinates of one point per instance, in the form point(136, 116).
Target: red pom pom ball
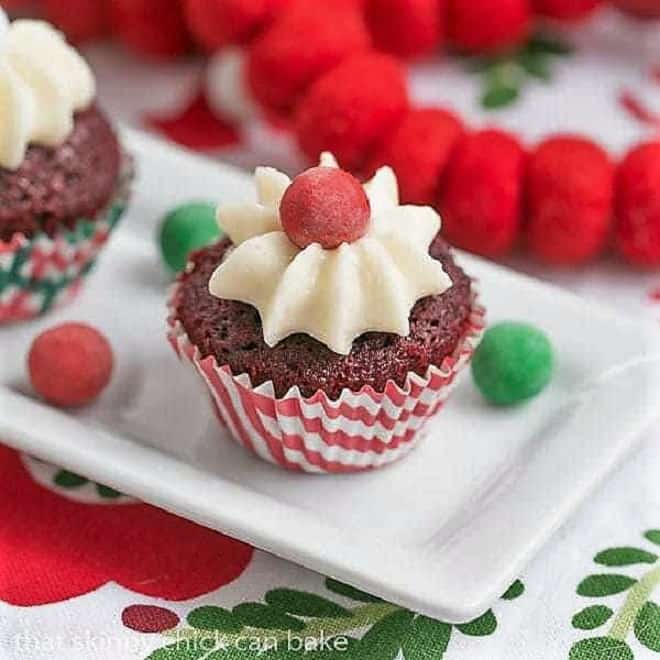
point(566, 10)
point(349, 109)
point(407, 28)
point(219, 23)
point(70, 364)
point(644, 9)
point(482, 197)
point(151, 27)
point(418, 150)
point(483, 26)
point(638, 206)
point(80, 20)
point(307, 40)
point(324, 205)
point(569, 197)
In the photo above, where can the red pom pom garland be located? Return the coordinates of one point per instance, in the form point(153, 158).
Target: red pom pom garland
point(80, 20)
point(566, 10)
point(483, 183)
point(418, 150)
point(219, 23)
point(406, 28)
point(482, 199)
point(487, 26)
point(150, 27)
point(643, 9)
point(314, 62)
point(350, 109)
point(569, 197)
point(638, 206)
point(279, 72)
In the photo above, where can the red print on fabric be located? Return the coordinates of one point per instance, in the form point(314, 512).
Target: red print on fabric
point(53, 548)
point(196, 127)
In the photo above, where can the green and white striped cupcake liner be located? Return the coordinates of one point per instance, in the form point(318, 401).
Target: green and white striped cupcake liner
point(42, 272)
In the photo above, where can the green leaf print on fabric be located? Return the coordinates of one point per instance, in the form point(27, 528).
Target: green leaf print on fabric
point(485, 625)
point(426, 634)
point(304, 604)
point(371, 628)
point(604, 585)
point(258, 615)
point(653, 535)
point(107, 493)
point(384, 640)
point(516, 590)
point(214, 618)
point(71, 481)
point(601, 648)
point(179, 651)
point(647, 626)
point(625, 557)
point(66, 479)
point(592, 617)
point(636, 611)
point(350, 592)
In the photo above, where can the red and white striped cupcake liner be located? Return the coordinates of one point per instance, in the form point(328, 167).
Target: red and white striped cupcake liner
point(358, 431)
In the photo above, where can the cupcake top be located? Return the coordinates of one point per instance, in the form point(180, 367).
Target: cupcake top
point(43, 83)
point(327, 257)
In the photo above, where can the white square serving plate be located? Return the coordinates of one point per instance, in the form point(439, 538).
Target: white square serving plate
point(444, 531)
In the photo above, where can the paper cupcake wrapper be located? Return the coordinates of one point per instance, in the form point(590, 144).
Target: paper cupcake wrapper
point(358, 431)
point(43, 272)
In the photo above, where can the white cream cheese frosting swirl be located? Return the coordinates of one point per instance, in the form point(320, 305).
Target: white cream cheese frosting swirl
point(333, 295)
point(43, 83)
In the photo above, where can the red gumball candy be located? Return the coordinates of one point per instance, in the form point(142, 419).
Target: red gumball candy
point(219, 23)
point(349, 109)
point(483, 26)
point(569, 199)
point(481, 203)
point(638, 206)
point(80, 20)
point(155, 28)
point(644, 9)
point(279, 72)
point(566, 10)
point(407, 28)
point(324, 205)
point(70, 364)
point(418, 150)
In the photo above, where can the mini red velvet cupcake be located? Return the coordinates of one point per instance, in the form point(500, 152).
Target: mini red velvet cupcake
point(64, 180)
point(330, 324)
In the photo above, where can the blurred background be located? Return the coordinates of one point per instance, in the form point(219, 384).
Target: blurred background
point(276, 81)
point(153, 58)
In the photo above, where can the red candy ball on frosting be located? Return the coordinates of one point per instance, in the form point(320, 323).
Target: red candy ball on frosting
point(324, 205)
point(70, 364)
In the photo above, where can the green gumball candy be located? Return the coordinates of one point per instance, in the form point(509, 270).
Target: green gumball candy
point(513, 363)
point(185, 229)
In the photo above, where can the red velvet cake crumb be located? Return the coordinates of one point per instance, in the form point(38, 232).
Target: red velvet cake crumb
point(56, 187)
